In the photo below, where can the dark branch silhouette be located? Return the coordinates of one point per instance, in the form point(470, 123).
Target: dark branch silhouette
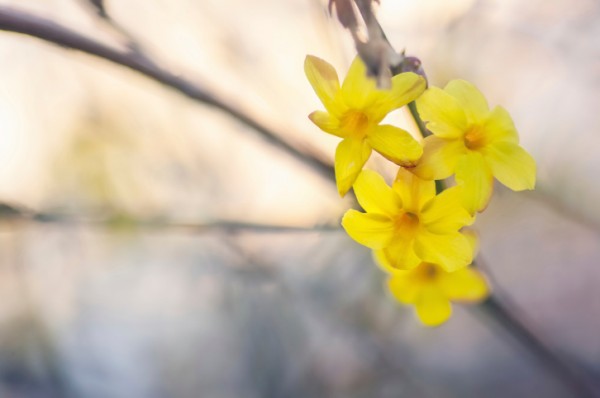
point(13, 20)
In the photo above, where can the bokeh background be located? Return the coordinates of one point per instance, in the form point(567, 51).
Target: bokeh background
point(117, 290)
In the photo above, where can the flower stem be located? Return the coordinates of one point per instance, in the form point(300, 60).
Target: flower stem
point(412, 107)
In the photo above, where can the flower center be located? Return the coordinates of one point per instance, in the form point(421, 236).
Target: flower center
point(406, 224)
point(354, 123)
point(475, 138)
point(428, 272)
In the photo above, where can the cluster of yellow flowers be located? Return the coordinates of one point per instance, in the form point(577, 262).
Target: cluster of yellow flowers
point(418, 235)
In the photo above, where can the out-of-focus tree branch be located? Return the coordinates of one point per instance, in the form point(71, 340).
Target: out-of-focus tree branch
point(18, 21)
point(10, 212)
point(98, 10)
point(371, 43)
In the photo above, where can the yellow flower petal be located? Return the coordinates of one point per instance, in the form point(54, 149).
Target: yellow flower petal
point(451, 251)
point(499, 126)
point(399, 255)
point(326, 122)
point(511, 165)
point(439, 158)
point(413, 191)
point(375, 195)
point(324, 80)
point(432, 307)
point(382, 260)
point(406, 87)
point(473, 239)
point(372, 230)
point(442, 112)
point(358, 90)
point(464, 285)
point(477, 182)
point(395, 144)
point(350, 157)
point(403, 288)
point(470, 98)
point(445, 213)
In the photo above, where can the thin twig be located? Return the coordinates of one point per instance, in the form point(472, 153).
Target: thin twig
point(11, 213)
point(13, 20)
point(510, 321)
point(98, 10)
point(562, 370)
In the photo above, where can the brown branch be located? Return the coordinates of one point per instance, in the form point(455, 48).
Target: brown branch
point(13, 20)
point(15, 213)
point(570, 375)
point(375, 50)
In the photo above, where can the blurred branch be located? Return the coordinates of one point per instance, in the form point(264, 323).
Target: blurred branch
point(374, 48)
point(562, 370)
point(505, 313)
point(98, 7)
point(99, 12)
point(10, 212)
point(13, 20)
point(504, 316)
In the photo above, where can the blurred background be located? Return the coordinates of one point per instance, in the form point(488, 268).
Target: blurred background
point(113, 285)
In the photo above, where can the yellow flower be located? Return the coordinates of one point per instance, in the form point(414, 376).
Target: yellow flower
point(430, 288)
point(407, 224)
point(472, 141)
point(353, 113)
